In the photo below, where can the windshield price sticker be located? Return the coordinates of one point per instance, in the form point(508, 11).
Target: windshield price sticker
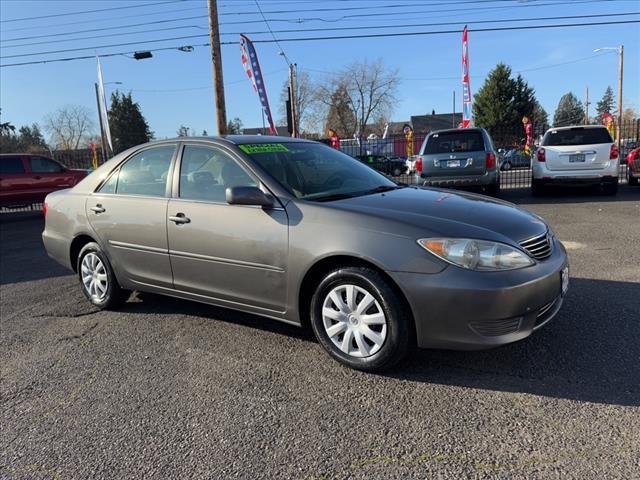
point(263, 148)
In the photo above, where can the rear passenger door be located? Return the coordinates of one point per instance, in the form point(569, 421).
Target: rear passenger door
point(129, 214)
point(235, 254)
point(15, 185)
point(47, 176)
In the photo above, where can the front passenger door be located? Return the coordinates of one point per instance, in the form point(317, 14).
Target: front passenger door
point(233, 253)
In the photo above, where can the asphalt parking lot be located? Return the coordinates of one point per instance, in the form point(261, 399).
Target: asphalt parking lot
point(171, 389)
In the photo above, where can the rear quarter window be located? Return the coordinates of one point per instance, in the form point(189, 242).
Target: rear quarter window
point(576, 136)
point(452, 142)
point(11, 165)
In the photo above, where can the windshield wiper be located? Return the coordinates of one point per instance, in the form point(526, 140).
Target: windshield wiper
point(333, 196)
point(383, 188)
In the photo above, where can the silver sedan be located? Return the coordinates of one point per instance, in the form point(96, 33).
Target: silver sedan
point(296, 231)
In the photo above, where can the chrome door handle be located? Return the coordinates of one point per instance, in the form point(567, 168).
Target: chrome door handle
point(179, 219)
point(98, 209)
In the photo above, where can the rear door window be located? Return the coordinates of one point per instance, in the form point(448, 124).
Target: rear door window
point(452, 142)
point(145, 173)
point(11, 165)
point(576, 136)
point(44, 165)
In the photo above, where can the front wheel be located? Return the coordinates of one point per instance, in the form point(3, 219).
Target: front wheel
point(97, 280)
point(360, 320)
point(537, 188)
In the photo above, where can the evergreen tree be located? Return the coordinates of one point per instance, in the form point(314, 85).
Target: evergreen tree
point(30, 139)
point(340, 116)
point(540, 118)
point(606, 104)
point(183, 131)
point(126, 122)
point(569, 111)
point(234, 127)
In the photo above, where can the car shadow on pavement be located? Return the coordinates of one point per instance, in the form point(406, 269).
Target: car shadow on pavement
point(590, 352)
point(22, 254)
point(522, 196)
point(150, 303)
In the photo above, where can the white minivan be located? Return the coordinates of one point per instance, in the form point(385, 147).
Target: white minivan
point(583, 154)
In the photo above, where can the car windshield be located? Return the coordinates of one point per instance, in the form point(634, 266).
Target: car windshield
point(451, 142)
point(313, 171)
point(576, 136)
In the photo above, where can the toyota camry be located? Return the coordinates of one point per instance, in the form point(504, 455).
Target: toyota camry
point(299, 232)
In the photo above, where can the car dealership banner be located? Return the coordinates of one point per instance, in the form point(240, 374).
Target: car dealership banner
point(466, 87)
point(102, 105)
point(252, 68)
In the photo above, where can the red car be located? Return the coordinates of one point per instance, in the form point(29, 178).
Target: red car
point(633, 166)
point(28, 178)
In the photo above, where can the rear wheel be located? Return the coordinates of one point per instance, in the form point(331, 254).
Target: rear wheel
point(97, 280)
point(633, 181)
point(360, 320)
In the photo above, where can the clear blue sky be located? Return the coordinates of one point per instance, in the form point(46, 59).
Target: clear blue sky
point(174, 87)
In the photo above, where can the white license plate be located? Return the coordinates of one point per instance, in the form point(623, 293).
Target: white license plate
point(453, 163)
point(564, 276)
point(578, 157)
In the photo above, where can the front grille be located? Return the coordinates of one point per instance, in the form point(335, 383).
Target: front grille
point(538, 247)
point(494, 328)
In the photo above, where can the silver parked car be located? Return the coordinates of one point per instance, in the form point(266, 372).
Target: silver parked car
point(461, 157)
point(299, 232)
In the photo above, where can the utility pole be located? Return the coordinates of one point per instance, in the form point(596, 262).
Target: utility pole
point(293, 99)
point(104, 148)
point(619, 131)
point(586, 109)
point(216, 60)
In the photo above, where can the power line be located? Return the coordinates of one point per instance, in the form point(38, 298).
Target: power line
point(350, 37)
point(302, 20)
point(67, 14)
point(325, 29)
point(284, 54)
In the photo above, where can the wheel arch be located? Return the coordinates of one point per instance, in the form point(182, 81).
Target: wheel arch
point(77, 244)
point(321, 267)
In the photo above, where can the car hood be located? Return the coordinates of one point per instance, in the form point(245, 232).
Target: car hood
point(450, 213)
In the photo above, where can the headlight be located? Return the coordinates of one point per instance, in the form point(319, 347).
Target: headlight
point(476, 254)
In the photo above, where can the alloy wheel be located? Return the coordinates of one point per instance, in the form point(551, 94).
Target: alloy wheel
point(354, 321)
point(94, 277)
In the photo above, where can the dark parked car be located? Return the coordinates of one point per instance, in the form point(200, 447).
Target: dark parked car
point(515, 158)
point(296, 231)
point(459, 158)
point(394, 166)
point(28, 178)
point(633, 166)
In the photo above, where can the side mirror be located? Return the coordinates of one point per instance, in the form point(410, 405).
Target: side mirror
point(248, 196)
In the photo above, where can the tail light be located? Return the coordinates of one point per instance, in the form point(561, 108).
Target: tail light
point(541, 155)
point(614, 152)
point(491, 160)
point(419, 165)
point(45, 207)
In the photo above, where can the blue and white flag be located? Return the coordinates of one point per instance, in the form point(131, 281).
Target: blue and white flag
point(102, 105)
point(252, 68)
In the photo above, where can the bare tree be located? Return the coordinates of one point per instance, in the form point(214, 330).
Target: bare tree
point(69, 126)
point(368, 88)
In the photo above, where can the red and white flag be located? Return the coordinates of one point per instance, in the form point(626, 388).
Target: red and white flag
point(466, 86)
point(252, 68)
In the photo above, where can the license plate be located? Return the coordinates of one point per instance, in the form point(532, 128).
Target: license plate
point(453, 163)
point(564, 277)
point(578, 157)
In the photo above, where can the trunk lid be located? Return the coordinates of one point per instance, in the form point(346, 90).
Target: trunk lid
point(577, 148)
point(454, 153)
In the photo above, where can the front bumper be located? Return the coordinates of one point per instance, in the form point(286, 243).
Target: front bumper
point(467, 310)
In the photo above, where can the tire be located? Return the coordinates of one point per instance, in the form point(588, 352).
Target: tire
point(633, 181)
point(371, 347)
point(102, 290)
point(610, 188)
point(537, 188)
point(493, 190)
point(506, 166)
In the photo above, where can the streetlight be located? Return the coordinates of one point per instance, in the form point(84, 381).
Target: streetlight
point(620, 51)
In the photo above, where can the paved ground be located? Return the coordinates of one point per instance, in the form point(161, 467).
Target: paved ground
point(170, 389)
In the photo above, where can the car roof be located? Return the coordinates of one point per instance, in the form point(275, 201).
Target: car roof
point(576, 127)
point(238, 139)
point(456, 130)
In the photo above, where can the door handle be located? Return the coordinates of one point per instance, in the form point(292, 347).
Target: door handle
point(179, 219)
point(38, 177)
point(98, 209)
